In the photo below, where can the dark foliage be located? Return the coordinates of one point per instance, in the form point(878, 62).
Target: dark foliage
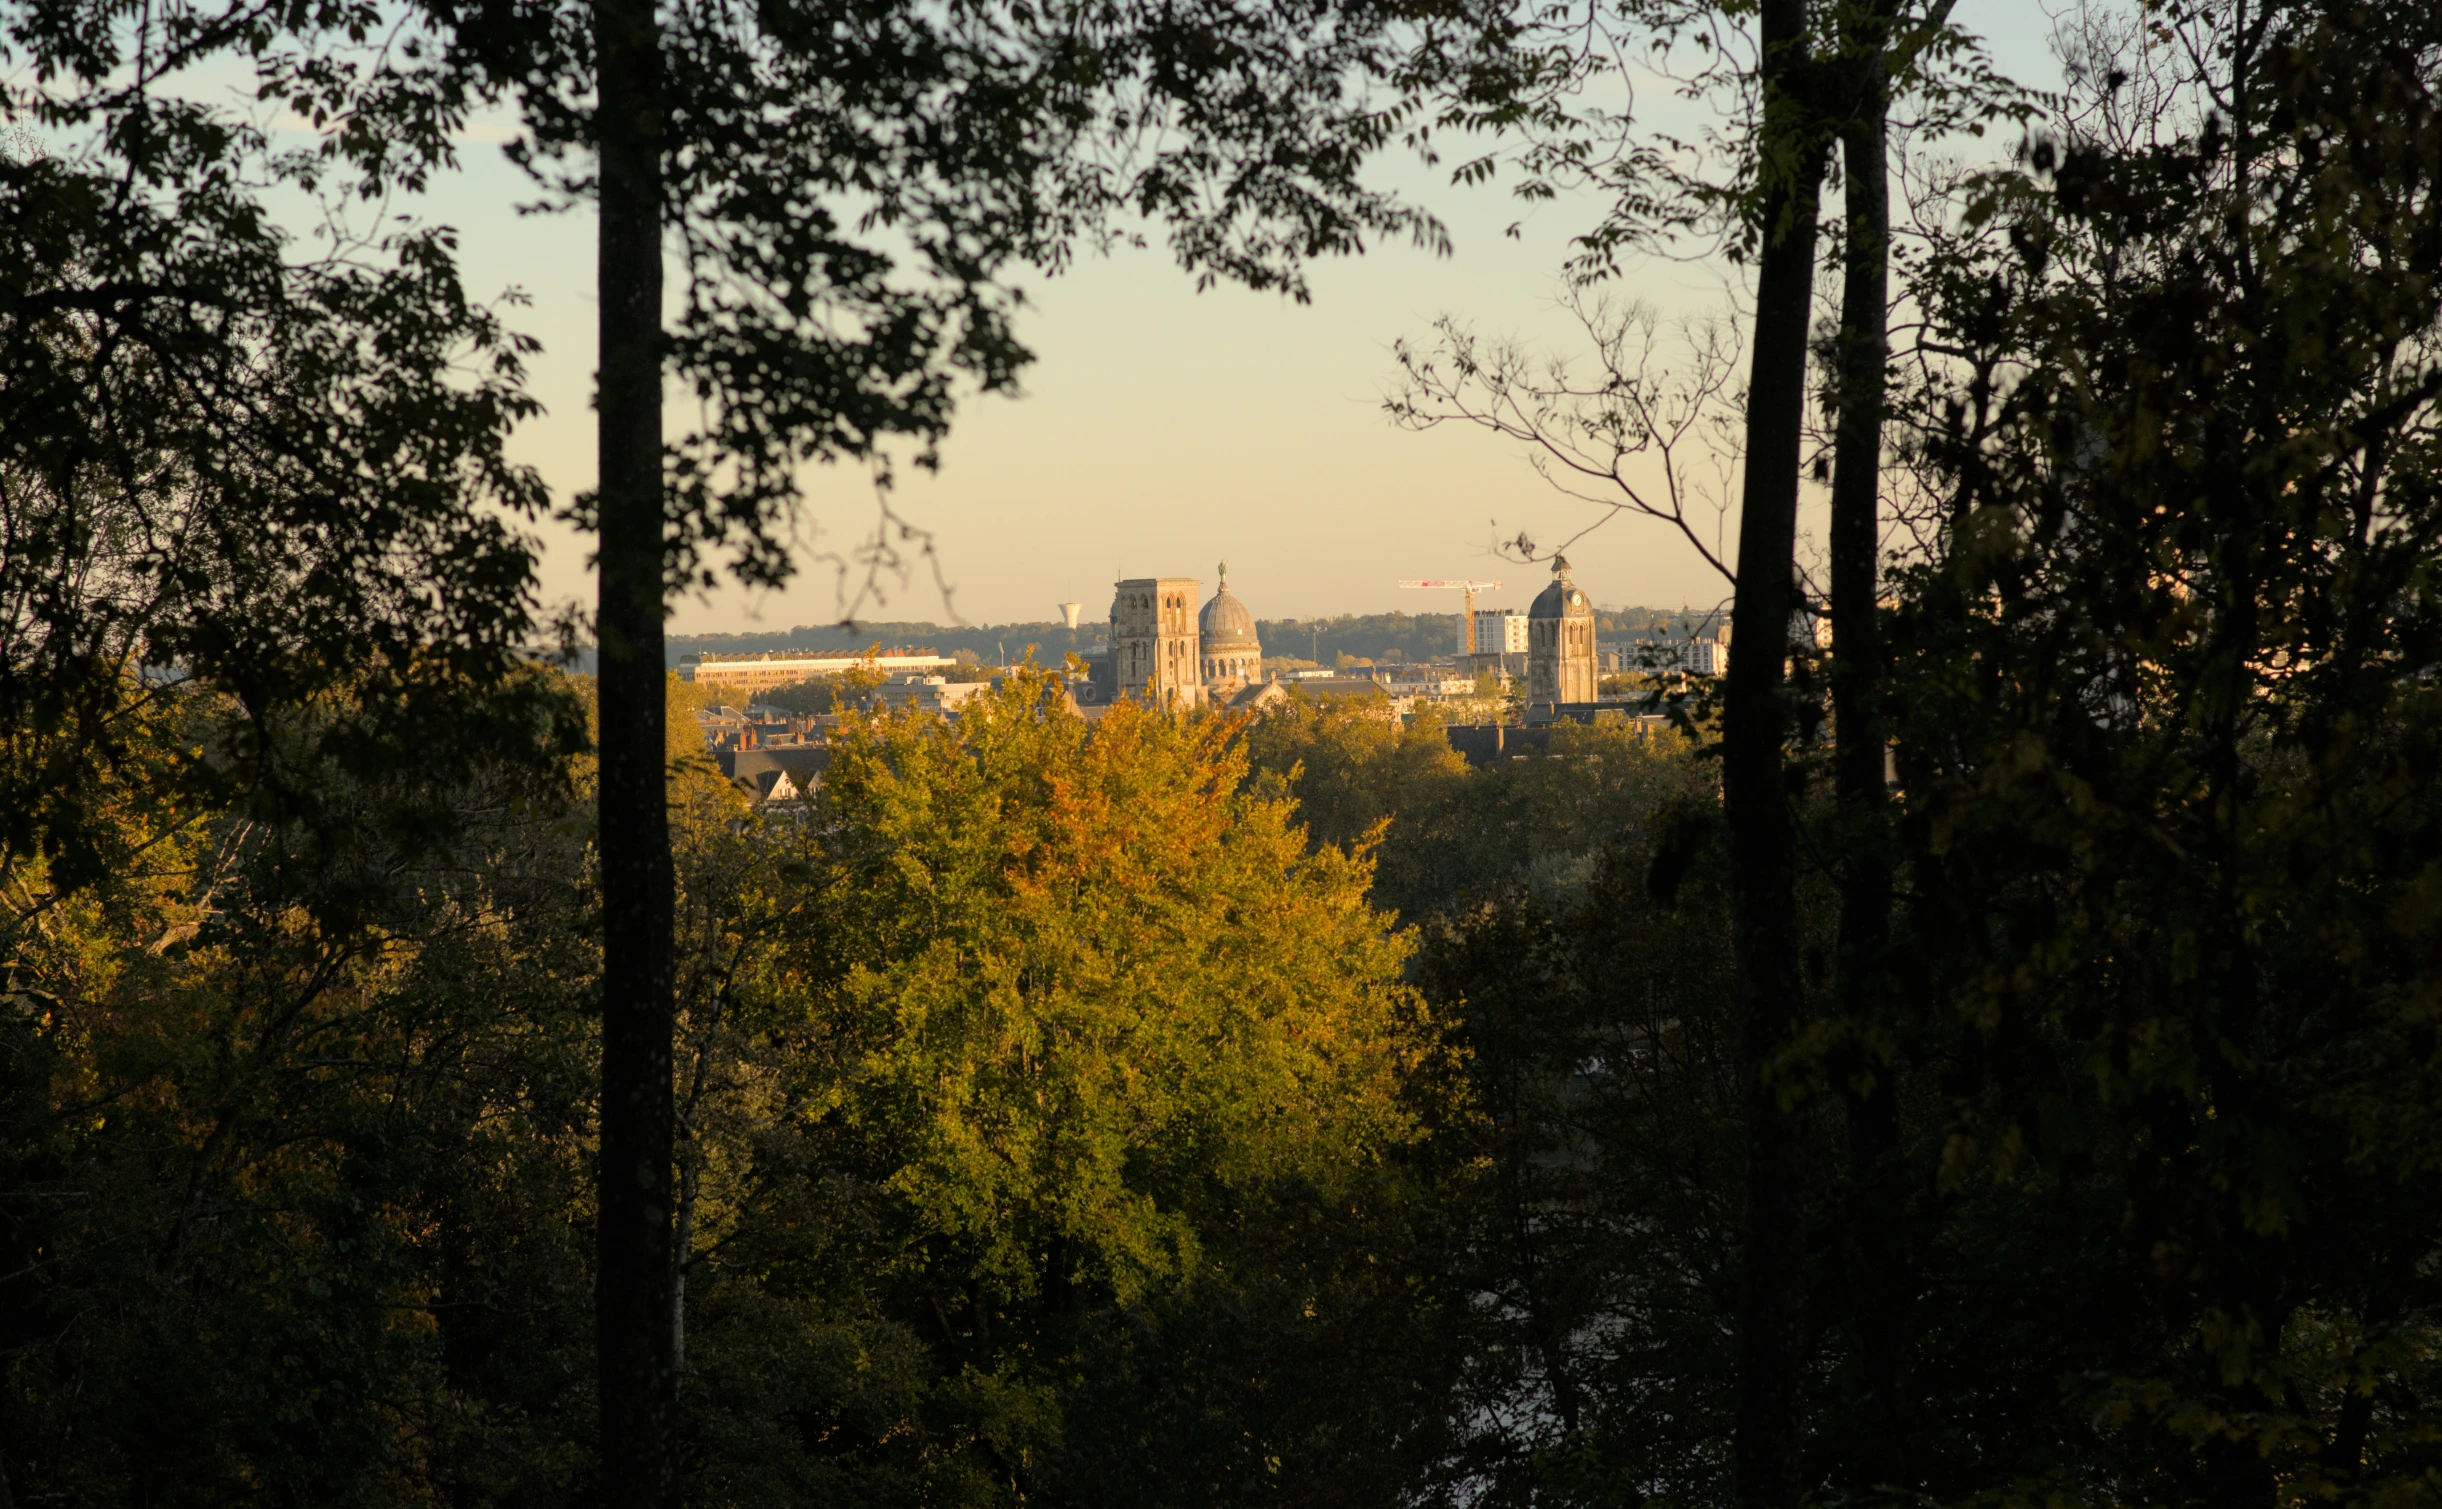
point(275, 472)
point(2169, 745)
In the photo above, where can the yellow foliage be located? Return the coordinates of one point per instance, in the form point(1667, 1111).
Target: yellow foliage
point(1068, 990)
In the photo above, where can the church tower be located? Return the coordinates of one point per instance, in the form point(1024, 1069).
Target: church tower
point(1559, 647)
point(1154, 658)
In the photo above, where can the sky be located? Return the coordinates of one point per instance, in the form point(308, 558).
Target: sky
point(1162, 431)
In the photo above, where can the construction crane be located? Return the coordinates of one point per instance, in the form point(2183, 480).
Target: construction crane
point(1470, 589)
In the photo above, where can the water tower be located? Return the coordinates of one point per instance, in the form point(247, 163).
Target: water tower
point(1068, 614)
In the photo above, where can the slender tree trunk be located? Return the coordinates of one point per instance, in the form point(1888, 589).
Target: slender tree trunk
point(1763, 908)
point(1856, 547)
point(638, 1375)
point(1873, 1248)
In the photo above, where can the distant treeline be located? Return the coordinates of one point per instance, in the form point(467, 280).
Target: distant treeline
point(1364, 636)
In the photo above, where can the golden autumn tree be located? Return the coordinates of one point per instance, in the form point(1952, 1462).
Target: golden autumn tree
point(1076, 988)
point(1048, 1094)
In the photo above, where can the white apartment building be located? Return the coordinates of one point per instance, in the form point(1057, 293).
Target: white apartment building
point(1498, 631)
point(1696, 657)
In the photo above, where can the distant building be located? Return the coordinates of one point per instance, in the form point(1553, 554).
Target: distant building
point(776, 775)
point(1154, 657)
point(1707, 656)
point(1498, 631)
point(1166, 652)
point(1378, 697)
point(934, 693)
point(1484, 743)
point(1100, 685)
point(1229, 656)
point(1430, 681)
point(1259, 695)
point(778, 668)
point(1343, 684)
point(1560, 647)
point(1509, 666)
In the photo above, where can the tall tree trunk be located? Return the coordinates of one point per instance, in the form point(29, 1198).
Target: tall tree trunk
point(1763, 906)
point(1873, 1248)
point(1856, 545)
point(638, 1375)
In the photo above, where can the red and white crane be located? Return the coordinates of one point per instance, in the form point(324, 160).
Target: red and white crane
point(1470, 589)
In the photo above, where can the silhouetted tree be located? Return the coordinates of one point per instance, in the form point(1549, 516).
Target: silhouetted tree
point(2167, 733)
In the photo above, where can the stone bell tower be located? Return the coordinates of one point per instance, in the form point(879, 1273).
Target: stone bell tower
point(1154, 657)
point(1560, 665)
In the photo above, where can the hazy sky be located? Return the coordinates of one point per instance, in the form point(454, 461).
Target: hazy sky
point(1161, 431)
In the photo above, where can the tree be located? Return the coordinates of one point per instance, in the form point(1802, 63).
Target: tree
point(1770, 213)
point(293, 1144)
point(1571, 922)
point(1586, 432)
point(2167, 734)
point(1444, 836)
point(848, 192)
point(1807, 79)
point(276, 473)
point(288, 1138)
point(1076, 924)
point(1079, 1069)
point(258, 555)
point(1601, 1043)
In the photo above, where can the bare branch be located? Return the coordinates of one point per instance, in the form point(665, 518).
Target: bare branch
point(1639, 426)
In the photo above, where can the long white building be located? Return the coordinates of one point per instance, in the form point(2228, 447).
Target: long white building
point(778, 668)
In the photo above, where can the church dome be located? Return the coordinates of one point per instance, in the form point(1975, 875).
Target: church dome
point(1225, 624)
point(1562, 599)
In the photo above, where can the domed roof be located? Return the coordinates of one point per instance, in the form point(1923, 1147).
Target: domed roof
point(1225, 624)
point(1561, 599)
